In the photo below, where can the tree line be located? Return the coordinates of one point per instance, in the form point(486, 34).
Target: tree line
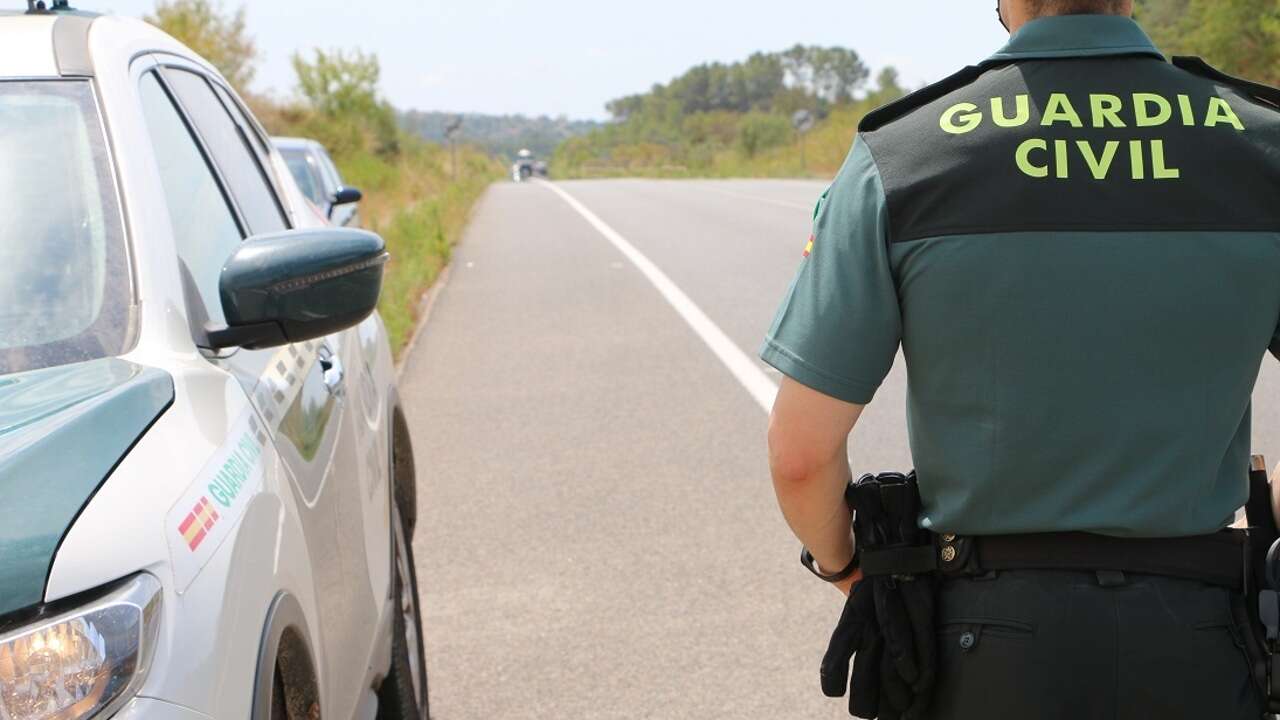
point(735, 118)
point(1241, 37)
point(798, 78)
point(502, 135)
point(716, 112)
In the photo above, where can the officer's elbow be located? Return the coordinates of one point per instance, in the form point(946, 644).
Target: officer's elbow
point(794, 461)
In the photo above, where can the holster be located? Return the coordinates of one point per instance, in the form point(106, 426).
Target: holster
point(890, 540)
point(897, 559)
point(1257, 610)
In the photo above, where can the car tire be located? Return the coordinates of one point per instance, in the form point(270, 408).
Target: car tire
point(403, 694)
point(279, 709)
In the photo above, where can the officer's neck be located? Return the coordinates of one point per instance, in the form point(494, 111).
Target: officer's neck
point(1020, 14)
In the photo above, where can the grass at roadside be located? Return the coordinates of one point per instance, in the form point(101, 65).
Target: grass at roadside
point(420, 210)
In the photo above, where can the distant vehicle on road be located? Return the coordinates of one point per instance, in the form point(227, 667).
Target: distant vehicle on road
point(523, 168)
point(540, 168)
point(320, 181)
point(206, 485)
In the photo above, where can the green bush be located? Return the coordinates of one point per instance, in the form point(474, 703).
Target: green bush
point(759, 131)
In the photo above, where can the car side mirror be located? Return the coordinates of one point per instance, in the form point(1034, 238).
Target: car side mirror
point(346, 195)
point(298, 285)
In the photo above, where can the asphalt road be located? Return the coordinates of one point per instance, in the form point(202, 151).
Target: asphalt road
point(597, 535)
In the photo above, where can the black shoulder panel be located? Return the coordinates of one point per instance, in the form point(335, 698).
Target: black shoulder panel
point(886, 114)
point(71, 44)
point(1091, 144)
point(1262, 93)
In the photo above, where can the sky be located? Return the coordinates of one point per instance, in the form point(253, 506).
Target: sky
point(570, 57)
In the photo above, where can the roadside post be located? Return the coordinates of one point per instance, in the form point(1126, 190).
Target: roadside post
point(451, 130)
point(802, 121)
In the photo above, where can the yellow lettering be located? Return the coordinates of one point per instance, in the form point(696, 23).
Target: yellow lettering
point(1024, 158)
point(1059, 108)
point(1188, 116)
point(1219, 112)
point(1060, 158)
point(1022, 106)
point(1143, 117)
point(1106, 110)
point(1099, 167)
point(954, 122)
point(1159, 170)
point(1136, 161)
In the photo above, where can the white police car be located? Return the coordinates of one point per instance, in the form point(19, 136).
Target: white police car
point(206, 486)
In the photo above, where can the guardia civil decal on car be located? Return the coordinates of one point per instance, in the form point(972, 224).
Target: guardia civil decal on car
point(232, 476)
point(206, 483)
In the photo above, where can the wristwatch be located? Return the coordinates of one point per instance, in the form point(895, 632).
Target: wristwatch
point(806, 559)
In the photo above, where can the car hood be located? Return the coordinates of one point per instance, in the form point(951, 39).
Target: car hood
point(62, 431)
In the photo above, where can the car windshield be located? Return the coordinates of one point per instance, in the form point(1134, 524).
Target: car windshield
point(300, 168)
point(65, 290)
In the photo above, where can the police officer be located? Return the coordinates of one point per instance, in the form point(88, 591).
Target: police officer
point(1076, 246)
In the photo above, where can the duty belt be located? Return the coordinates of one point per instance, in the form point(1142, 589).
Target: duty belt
point(1218, 559)
point(886, 627)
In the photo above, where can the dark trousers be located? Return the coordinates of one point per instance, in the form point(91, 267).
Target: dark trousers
point(1043, 645)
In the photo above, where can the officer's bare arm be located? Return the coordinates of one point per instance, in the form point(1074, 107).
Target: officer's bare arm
point(1275, 495)
point(809, 459)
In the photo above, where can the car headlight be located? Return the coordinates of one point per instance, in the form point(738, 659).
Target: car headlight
point(84, 663)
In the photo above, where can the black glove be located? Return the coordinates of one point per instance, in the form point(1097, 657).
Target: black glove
point(921, 599)
point(856, 638)
point(905, 605)
point(887, 626)
point(892, 678)
point(905, 609)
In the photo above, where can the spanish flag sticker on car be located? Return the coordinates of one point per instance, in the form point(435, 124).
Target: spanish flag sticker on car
point(808, 248)
point(198, 522)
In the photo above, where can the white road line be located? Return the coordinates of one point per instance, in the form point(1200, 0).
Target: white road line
point(743, 368)
point(757, 198)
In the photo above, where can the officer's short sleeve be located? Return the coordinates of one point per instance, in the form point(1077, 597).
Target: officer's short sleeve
point(839, 327)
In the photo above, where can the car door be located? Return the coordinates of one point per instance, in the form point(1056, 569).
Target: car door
point(362, 454)
point(299, 389)
point(364, 437)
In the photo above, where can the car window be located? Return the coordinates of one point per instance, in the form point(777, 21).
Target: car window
point(231, 152)
point(260, 144)
point(65, 291)
point(204, 227)
point(330, 171)
point(301, 168)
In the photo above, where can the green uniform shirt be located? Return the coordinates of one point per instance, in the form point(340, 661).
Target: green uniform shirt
point(1076, 244)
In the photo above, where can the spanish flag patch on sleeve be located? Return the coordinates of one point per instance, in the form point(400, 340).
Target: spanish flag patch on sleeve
point(808, 248)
